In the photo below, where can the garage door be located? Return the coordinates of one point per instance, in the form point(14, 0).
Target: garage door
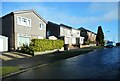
point(1, 44)
point(23, 40)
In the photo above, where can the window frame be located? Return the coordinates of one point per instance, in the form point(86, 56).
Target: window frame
point(41, 26)
point(20, 21)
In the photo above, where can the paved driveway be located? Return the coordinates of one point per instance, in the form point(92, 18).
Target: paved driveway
point(13, 55)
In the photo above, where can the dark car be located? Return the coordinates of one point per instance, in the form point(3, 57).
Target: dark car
point(109, 44)
point(118, 44)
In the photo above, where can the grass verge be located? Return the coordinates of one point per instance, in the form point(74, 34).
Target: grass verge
point(72, 53)
point(7, 70)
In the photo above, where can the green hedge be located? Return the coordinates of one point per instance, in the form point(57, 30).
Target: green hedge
point(39, 45)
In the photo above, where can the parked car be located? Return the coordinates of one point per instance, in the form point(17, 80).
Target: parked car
point(118, 44)
point(109, 44)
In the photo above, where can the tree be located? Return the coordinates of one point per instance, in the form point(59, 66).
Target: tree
point(100, 37)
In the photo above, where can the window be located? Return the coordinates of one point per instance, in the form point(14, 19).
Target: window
point(48, 33)
point(41, 25)
point(23, 21)
point(23, 39)
point(68, 32)
point(29, 22)
point(18, 20)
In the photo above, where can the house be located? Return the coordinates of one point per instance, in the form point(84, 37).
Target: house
point(76, 38)
point(87, 34)
point(3, 43)
point(22, 26)
point(70, 35)
point(65, 33)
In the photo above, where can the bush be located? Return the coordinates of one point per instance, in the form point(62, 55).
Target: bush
point(27, 49)
point(39, 45)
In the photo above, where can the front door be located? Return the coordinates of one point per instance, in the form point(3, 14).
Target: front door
point(77, 41)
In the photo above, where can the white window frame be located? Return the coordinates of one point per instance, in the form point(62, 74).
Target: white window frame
point(20, 34)
point(41, 26)
point(21, 22)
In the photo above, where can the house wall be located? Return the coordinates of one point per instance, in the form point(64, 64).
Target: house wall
point(75, 33)
point(53, 29)
point(66, 32)
point(88, 35)
point(84, 34)
point(0, 26)
point(32, 32)
point(7, 30)
point(75, 36)
point(91, 36)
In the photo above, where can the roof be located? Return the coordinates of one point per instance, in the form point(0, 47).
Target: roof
point(66, 26)
point(26, 11)
point(49, 22)
point(81, 28)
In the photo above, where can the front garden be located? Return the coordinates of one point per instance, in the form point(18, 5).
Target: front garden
point(41, 45)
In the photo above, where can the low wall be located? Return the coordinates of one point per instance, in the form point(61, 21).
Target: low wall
point(48, 51)
point(83, 46)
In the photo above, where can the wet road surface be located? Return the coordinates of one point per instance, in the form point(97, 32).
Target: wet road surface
point(99, 64)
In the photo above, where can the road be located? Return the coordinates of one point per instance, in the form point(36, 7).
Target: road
point(99, 64)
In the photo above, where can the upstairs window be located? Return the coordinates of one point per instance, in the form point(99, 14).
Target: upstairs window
point(23, 21)
point(18, 20)
point(41, 26)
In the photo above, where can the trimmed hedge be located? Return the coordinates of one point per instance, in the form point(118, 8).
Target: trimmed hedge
point(39, 45)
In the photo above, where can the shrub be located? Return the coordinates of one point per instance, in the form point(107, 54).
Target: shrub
point(27, 49)
point(39, 45)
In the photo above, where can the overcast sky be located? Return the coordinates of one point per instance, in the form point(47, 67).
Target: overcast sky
point(76, 14)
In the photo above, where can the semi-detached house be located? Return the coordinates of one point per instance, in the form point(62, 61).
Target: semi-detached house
point(87, 34)
point(22, 26)
point(70, 35)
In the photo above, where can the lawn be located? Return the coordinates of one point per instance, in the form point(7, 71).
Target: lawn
point(72, 53)
point(8, 70)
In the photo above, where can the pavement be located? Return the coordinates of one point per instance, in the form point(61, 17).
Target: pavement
point(24, 60)
point(13, 55)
